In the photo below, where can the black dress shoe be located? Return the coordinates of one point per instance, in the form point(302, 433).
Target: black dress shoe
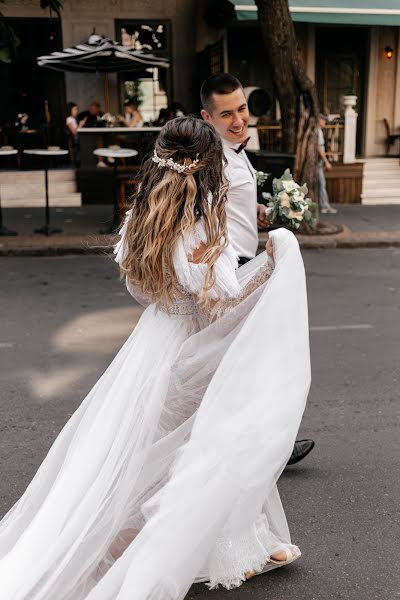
point(300, 451)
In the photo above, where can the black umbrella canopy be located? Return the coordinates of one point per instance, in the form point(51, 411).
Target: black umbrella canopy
point(100, 55)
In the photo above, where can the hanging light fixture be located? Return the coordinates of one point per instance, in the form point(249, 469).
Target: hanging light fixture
point(389, 52)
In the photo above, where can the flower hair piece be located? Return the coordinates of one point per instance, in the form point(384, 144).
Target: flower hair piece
point(169, 163)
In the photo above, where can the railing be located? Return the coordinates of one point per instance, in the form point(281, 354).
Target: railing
point(270, 139)
point(334, 141)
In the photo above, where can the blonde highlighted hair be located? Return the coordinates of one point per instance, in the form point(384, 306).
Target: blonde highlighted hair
point(168, 204)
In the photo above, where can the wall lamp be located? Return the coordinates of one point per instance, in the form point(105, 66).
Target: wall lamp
point(389, 52)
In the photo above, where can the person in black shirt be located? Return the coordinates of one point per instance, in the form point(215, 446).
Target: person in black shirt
point(93, 116)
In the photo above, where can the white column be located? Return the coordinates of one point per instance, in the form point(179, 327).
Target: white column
point(372, 78)
point(350, 129)
point(396, 116)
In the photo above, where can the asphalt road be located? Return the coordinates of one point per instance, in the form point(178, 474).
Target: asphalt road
point(63, 319)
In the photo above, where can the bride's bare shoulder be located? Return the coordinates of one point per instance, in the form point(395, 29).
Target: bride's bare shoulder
point(197, 254)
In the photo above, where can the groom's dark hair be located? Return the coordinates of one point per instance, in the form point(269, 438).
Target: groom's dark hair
point(220, 83)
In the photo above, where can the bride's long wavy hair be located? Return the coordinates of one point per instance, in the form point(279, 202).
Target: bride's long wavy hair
point(168, 204)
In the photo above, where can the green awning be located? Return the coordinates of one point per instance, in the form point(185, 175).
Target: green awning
point(351, 12)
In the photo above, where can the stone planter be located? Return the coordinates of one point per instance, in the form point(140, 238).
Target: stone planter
point(349, 101)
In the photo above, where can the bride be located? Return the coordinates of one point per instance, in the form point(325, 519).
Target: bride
point(166, 474)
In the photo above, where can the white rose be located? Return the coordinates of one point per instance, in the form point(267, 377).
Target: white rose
point(284, 199)
point(293, 214)
point(298, 196)
point(289, 185)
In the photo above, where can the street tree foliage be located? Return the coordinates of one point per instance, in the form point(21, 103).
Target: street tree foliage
point(9, 41)
point(295, 91)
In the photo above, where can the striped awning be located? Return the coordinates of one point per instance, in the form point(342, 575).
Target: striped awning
point(100, 55)
point(351, 12)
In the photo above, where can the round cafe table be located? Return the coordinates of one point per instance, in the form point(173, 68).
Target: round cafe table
point(46, 154)
point(114, 153)
point(4, 230)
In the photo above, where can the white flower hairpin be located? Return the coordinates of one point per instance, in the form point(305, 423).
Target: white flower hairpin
point(169, 163)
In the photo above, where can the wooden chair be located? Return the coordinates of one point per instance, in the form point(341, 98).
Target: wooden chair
point(127, 184)
point(390, 137)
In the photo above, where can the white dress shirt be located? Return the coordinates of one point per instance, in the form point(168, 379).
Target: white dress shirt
point(241, 206)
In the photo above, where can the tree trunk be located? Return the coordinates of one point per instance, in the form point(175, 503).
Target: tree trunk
point(295, 91)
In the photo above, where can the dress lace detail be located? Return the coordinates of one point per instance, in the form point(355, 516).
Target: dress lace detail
point(233, 557)
point(216, 310)
point(227, 292)
point(183, 304)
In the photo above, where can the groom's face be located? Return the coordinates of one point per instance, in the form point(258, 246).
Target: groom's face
point(229, 114)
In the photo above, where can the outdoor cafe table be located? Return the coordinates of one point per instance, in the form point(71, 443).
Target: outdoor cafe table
point(95, 186)
point(46, 154)
point(3, 229)
point(115, 154)
point(138, 138)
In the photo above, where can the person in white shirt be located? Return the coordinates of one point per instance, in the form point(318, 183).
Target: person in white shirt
point(225, 107)
point(323, 162)
point(132, 116)
point(71, 124)
point(71, 121)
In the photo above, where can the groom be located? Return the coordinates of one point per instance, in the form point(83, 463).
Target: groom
point(225, 107)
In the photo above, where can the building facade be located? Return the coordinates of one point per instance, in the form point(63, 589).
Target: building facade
point(40, 33)
point(349, 48)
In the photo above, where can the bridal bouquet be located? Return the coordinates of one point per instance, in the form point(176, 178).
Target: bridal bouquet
point(288, 203)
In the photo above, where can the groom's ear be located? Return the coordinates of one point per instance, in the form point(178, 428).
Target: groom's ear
point(205, 115)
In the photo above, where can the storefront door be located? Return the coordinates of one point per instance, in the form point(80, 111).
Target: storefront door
point(341, 70)
point(26, 87)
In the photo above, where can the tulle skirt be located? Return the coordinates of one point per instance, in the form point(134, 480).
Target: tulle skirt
point(166, 474)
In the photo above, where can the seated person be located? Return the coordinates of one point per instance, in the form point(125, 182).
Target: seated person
point(165, 114)
point(71, 125)
point(178, 109)
point(132, 116)
point(93, 116)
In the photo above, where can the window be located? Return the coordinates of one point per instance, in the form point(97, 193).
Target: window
point(148, 88)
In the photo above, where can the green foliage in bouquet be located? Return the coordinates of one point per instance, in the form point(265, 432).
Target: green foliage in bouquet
point(288, 205)
point(261, 178)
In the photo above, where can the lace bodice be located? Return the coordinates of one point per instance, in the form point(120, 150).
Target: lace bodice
point(227, 291)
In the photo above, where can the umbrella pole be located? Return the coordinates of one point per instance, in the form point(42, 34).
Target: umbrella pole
point(106, 93)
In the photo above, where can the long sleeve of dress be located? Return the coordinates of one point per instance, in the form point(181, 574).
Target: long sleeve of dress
point(227, 292)
point(216, 309)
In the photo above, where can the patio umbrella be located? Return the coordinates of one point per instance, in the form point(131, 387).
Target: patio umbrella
point(101, 55)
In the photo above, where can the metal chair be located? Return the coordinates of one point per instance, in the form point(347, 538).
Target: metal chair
point(390, 137)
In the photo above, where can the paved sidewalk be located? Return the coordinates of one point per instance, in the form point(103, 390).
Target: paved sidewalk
point(363, 226)
point(81, 231)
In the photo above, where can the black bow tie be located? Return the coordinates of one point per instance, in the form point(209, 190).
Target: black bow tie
point(242, 146)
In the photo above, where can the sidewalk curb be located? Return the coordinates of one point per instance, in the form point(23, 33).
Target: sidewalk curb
point(51, 251)
point(347, 239)
point(89, 245)
point(58, 246)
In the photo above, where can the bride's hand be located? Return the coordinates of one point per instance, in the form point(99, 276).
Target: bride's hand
point(269, 246)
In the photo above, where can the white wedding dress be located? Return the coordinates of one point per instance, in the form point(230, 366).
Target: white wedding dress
point(175, 452)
